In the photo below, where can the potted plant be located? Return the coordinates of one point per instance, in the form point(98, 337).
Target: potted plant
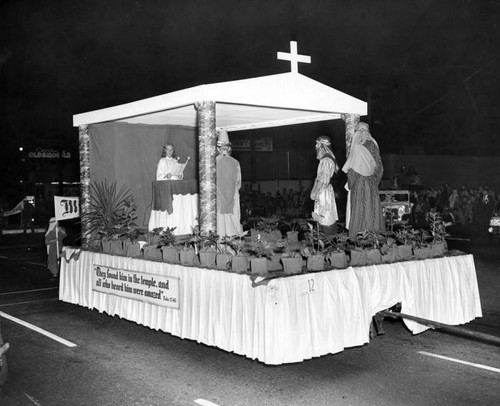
point(314, 251)
point(224, 254)
point(111, 214)
point(366, 250)
point(206, 246)
point(336, 252)
point(404, 237)
point(438, 231)
point(388, 247)
point(170, 253)
point(295, 226)
point(239, 262)
point(292, 262)
point(421, 249)
point(266, 229)
point(187, 254)
point(262, 251)
point(132, 245)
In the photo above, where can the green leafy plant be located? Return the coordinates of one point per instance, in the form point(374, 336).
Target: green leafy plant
point(205, 242)
point(437, 228)
point(167, 237)
point(261, 249)
point(112, 212)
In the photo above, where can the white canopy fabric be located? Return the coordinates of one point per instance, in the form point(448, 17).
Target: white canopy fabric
point(267, 101)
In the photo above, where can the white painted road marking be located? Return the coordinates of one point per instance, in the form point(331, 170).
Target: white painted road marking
point(37, 329)
point(30, 301)
point(26, 291)
point(37, 263)
point(472, 364)
point(204, 402)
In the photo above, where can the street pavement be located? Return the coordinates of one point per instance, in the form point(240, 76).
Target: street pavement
point(117, 362)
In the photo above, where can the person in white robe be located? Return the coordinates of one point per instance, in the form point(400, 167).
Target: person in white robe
point(325, 207)
point(168, 166)
point(228, 189)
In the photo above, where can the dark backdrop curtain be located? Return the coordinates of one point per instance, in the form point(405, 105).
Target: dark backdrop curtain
point(129, 153)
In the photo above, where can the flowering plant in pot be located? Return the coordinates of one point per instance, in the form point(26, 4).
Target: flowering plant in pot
point(167, 245)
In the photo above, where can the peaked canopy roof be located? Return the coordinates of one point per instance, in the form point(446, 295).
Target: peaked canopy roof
point(267, 101)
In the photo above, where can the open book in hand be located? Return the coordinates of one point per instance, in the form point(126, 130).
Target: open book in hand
point(178, 170)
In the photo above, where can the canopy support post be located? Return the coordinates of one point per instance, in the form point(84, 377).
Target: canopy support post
point(207, 151)
point(84, 140)
point(351, 120)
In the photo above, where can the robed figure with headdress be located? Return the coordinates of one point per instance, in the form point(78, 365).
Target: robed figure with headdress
point(228, 189)
point(364, 171)
point(325, 208)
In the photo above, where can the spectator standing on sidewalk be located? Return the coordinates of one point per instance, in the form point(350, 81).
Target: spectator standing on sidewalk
point(28, 212)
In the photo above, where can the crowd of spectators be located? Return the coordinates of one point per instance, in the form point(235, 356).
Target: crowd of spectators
point(465, 210)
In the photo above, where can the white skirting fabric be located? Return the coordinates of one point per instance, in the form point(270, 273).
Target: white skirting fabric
point(184, 215)
point(290, 319)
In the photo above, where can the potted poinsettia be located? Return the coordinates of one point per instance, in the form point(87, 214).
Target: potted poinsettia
point(170, 253)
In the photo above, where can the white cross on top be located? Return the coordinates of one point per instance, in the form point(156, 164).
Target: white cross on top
point(294, 57)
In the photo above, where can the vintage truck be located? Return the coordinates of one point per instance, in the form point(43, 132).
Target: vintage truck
point(396, 207)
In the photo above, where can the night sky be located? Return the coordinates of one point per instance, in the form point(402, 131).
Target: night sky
point(429, 69)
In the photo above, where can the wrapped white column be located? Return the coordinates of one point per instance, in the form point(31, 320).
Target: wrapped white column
point(351, 120)
point(84, 141)
point(207, 149)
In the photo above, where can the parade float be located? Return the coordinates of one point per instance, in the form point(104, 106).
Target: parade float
point(278, 313)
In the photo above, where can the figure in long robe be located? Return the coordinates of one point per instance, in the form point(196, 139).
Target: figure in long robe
point(228, 189)
point(364, 171)
point(168, 165)
point(54, 241)
point(325, 208)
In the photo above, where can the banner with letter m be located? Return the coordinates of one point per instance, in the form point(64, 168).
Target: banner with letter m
point(66, 207)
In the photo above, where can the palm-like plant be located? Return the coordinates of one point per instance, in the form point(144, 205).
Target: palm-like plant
point(112, 212)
